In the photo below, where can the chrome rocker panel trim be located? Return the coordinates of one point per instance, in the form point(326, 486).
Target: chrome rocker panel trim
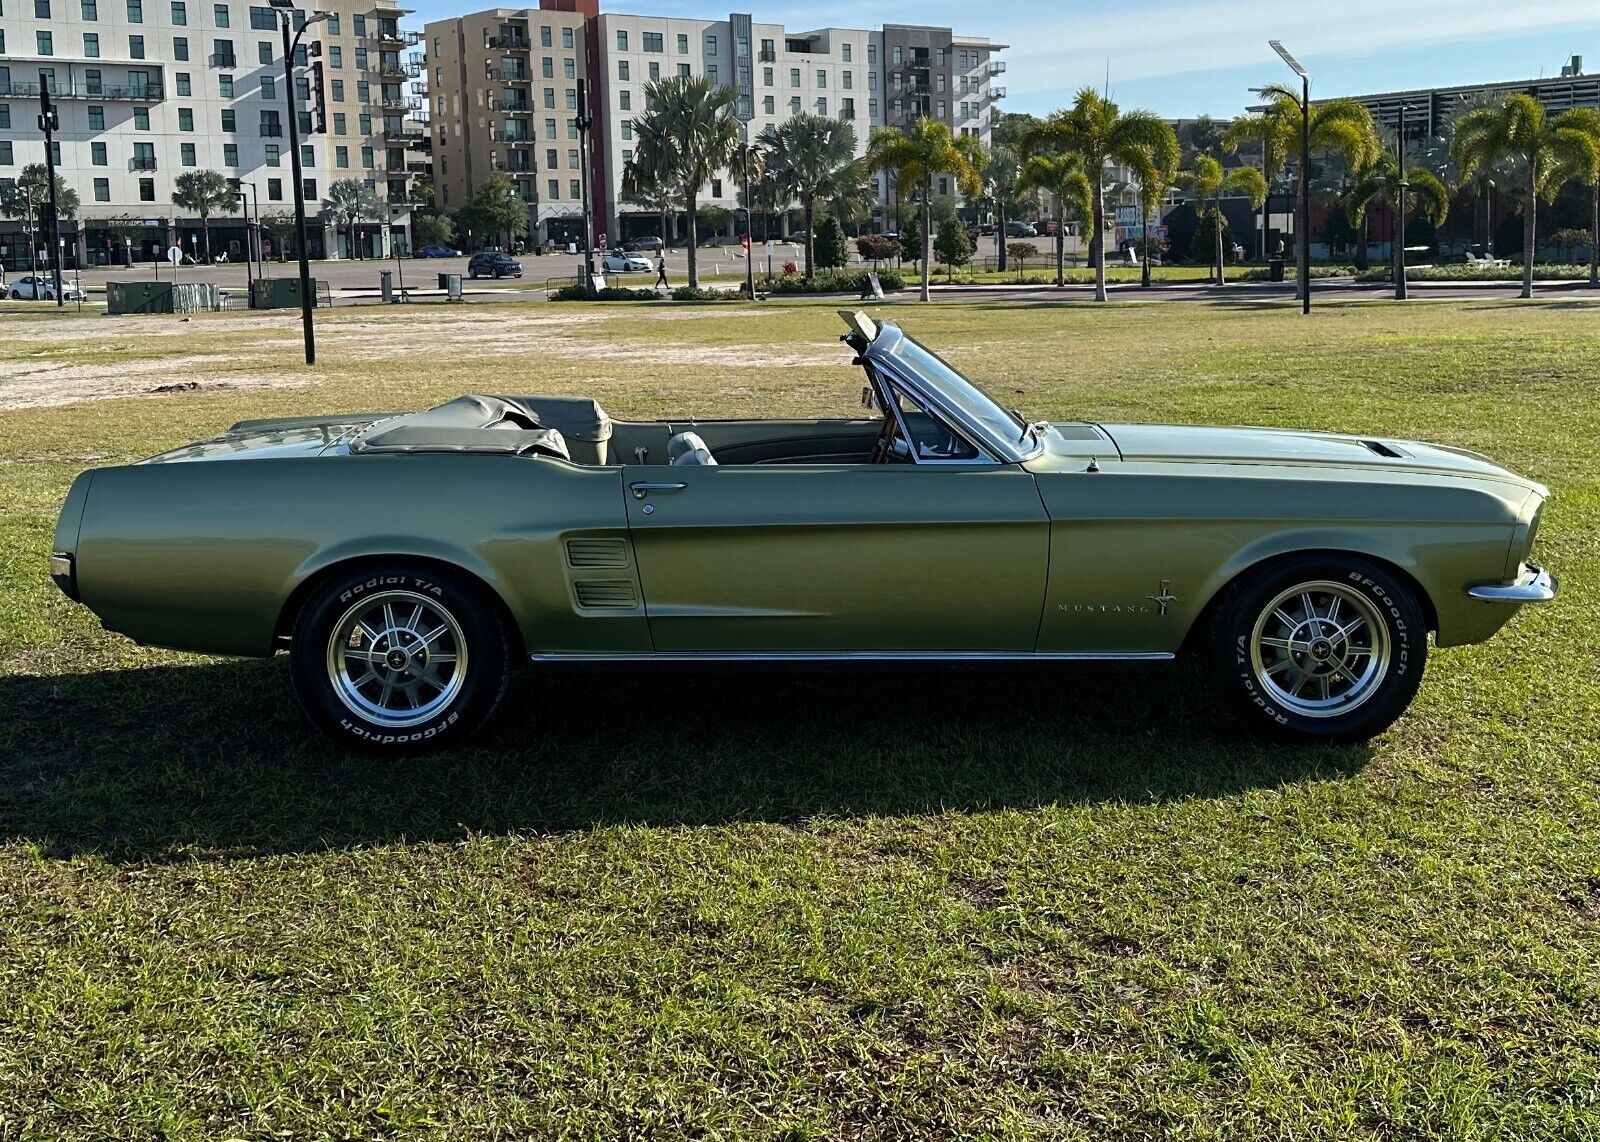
point(849, 656)
point(1537, 585)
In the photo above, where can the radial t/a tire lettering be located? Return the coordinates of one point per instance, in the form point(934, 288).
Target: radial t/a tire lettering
point(1324, 647)
point(398, 658)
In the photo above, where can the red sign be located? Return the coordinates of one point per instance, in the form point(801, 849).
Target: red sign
point(745, 242)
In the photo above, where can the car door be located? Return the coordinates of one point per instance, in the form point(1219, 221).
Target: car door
point(805, 559)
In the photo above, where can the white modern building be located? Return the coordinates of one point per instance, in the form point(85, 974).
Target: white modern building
point(148, 89)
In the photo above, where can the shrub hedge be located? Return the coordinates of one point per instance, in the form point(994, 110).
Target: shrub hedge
point(829, 281)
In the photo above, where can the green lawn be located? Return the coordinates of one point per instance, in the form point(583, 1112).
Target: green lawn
point(994, 905)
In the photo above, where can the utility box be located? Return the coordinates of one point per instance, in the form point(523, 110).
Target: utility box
point(138, 297)
point(452, 286)
point(386, 284)
point(280, 293)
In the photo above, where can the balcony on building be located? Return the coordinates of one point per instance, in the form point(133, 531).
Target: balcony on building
point(389, 33)
point(142, 163)
point(512, 104)
point(75, 88)
point(222, 59)
point(402, 103)
point(403, 133)
point(508, 40)
point(995, 67)
point(997, 93)
point(768, 55)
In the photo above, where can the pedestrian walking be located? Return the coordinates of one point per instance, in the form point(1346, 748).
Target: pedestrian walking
point(661, 271)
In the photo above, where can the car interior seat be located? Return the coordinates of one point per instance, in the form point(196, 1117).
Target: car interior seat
point(689, 448)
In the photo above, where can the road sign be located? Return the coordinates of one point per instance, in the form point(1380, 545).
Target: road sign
point(174, 254)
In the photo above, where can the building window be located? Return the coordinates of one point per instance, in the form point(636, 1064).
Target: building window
point(225, 86)
point(899, 57)
point(849, 80)
point(97, 154)
point(136, 47)
point(147, 190)
point(566, 38)
point(341, 156)
point(361, 61)
point(938, 57)
point(572, 128)
point(180, 48)
point(141, 118)
point(622, 39)
point(794, 77)
point(683, 71)
point(711, 72)
point(262, 19)
point(555, 188)
point(627, 130)
point(794, 105)
point(844, 50)
point(683, 44)
point(766, 77)
point(711, 45)
point(219, 14)
point(102, 190)
point(549, 128)
point(847, 109)
point(339, 123)
point(186, 151)
point(572, 99)
point(822, 106)
point(274, 154)
point(135, 11)
point(872, 109)
point(655, 70)
point(307, 155)
point(275, 189)
point(625, 100)
point(822, 78)
point(367, 157)
point(622, 70)
point(336, 90)
point(767, 105)
point(576, 189)
point(180, 13)
point(569, 69)
point(652, 42)
point(547, 67)
point(308, 187)
point(333, 24)
point(335, 57)
point(186, 118)
point(227, 119)
point(97, 117)
point(941, 109)
point(549, 97)
point(572, 158)
point(269, 87)
point(45, 43)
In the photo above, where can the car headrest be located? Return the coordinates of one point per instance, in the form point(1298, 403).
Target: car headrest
point(689, 449)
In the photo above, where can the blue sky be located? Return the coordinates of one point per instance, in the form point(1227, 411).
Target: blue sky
point(1184, 57)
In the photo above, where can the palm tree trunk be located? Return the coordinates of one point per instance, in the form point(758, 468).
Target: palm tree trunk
point(1000, 234)
point(1594, 235)
point(205, 228)
point(1061, 246)
point(927, 236)
point(1216, 228)
point(809, 205)
point(1097, 241)
point(1530, 213)
point(1144, 242)
point(694, 240)
point(1361, 251)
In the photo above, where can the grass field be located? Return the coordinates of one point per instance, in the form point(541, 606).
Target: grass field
point(966, 905)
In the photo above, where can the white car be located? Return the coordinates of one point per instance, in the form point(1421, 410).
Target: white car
point(620, 262)
point(32, 288)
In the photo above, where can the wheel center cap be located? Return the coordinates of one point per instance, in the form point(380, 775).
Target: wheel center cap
point(1321, 649)
point(397, 659)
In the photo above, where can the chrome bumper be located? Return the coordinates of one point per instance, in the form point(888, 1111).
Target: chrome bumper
point(1536, 586)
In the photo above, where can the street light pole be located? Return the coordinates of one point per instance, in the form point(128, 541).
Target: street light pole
point(284, 7)
point(249, 290)
point(1400, 211)
point(584, 122)
point(1304, 235)
point(48, 122)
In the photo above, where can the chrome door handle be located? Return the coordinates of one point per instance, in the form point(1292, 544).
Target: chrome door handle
point(642, 490)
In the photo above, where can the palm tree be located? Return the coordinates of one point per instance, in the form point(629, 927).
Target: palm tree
point(28, 198)
point(810, 157)
point(1209, 182)
point(1002, 178)
point(1383, 182)
point(1277, 135)
point(1152, 175)
point(915, 155)
point(350, 201)
point(206, 193)
point(1062, 177)
point(1583, 163)
point(1547, 151)
point(686, 135)
point(1099, 132)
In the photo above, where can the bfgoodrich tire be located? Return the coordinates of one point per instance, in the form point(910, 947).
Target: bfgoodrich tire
point(1321, 647)
point(399, 658)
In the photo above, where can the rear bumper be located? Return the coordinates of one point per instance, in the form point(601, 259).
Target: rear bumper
point(1536, 585)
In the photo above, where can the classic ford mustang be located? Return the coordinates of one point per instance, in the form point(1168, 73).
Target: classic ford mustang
point(406, 561)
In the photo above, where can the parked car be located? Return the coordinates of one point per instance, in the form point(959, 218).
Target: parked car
point(622, 262)
point(1046, 228)
point(1016, 229)
point(407, 561)
point(648, 242)
point(39, 288)
point(493, 264)
point(437, 252)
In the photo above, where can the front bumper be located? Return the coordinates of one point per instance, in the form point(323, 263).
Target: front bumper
point(1535, 585)
point(63, 569)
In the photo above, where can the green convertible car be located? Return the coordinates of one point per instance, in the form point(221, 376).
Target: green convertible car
point(407, 561)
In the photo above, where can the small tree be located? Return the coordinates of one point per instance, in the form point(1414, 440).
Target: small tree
point(830, 247)
point(1022, 251)
point(953, 246)
point(433, 230)
point(351, 202)
point(278, 225)
point(713, 219)
point(206, 193)
point(876, 248)
point(496, 210)
point(1207, 244)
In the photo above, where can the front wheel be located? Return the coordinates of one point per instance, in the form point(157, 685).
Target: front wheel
point(1321, 647)
point(399, 658)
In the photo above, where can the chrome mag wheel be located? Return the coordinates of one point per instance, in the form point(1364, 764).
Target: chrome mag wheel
point(1320, 649)
point(397, 658)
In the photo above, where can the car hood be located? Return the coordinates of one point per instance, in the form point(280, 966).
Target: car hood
point(1181, 444)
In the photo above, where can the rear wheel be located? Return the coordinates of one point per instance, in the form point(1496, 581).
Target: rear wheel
point(397, 658)
point(1318, 646)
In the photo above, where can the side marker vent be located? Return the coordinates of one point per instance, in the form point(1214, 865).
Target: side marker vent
point(597, 553)
point(610, 595)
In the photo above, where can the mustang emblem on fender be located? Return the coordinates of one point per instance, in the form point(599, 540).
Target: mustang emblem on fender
point(1163, 598)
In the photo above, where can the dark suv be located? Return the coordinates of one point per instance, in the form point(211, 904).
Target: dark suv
point(493, 264)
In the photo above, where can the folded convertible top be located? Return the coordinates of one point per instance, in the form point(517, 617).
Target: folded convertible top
point(471, 423)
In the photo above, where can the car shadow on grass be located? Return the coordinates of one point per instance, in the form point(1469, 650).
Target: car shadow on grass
point(215, 761)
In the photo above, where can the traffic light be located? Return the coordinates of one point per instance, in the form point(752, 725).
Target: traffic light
point(319, 102)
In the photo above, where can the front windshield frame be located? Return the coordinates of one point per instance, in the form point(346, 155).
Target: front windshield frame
point(954, 394)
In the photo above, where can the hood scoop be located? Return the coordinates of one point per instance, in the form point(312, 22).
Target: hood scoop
point(1388, 451)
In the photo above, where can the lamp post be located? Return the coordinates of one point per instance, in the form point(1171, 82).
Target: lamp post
point(1305, 174)
point(48, 124)
point(283, 8)
point(1400, 210)
point(749, 222)
point(584, 122)
point(394, 248)
point(249, 291)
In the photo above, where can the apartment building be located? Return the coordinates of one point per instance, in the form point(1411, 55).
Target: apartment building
point(865, 77)
point(148, 89)
point(503, 97)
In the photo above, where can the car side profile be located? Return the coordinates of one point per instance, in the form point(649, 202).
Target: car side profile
point(37, 288)
point(622, 262)
point(407, 561)
point(493, 264)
